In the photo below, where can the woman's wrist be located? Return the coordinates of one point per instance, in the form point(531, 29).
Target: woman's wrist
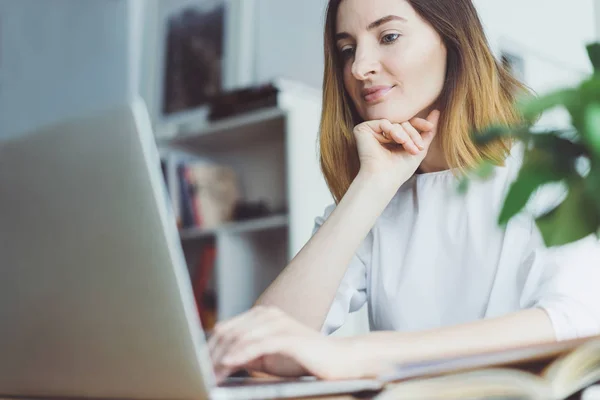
point(378, 183)
point(374, 359)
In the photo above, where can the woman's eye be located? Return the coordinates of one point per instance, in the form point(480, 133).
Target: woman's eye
point(347, 52)
point(390, 38)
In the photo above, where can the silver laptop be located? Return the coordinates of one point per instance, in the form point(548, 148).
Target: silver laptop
point(95, 297)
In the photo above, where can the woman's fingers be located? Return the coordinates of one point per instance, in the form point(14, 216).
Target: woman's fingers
point(414, 135)
point(264, 329)
point(281, 344)
point(387, 132)
point(383, 131)
point(252, 338)
point(252, 355)
point(259, 324)
point(227, 332)
point(400, 136)
point(421, 124)
point(428, 126)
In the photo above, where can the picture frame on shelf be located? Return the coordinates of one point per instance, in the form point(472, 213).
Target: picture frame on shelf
point(193, 55)
point(194, 49)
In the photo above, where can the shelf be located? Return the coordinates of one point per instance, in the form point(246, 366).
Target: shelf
point(249, 226)
point(235, 132)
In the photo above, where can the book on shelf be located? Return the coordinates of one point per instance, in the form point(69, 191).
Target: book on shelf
point(208, 194)
point(204, 296)
point(557, 370)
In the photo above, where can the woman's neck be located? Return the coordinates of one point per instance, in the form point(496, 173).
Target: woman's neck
point(435, 160)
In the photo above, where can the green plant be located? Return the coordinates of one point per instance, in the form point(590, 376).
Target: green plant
point(570, 156)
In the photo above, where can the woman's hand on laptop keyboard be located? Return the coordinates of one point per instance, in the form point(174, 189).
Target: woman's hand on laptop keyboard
point(267, 340)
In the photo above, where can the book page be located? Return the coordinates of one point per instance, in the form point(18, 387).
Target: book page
point(500, 383)
point(575, 370)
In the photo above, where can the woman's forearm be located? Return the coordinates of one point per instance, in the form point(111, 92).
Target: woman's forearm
point(384, 349)
point(307, 286)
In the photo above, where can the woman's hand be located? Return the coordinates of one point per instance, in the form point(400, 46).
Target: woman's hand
point(395, 151)
point(267, 340)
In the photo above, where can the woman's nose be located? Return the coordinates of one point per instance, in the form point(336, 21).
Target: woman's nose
point(365, 64)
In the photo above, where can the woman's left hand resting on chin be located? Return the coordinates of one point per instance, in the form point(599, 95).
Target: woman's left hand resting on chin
point(267, 340)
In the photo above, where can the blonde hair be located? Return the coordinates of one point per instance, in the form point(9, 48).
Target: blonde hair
point(478, 91)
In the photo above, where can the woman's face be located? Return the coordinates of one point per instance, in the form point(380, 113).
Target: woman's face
point(394, 61)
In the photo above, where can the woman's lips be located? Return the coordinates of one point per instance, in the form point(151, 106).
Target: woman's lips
point(376, 93)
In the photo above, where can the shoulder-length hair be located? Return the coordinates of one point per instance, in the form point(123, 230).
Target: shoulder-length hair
point(478, 91)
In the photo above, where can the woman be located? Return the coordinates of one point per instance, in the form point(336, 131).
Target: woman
point(405, 83)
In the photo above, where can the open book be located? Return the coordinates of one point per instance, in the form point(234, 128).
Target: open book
point(546, 371)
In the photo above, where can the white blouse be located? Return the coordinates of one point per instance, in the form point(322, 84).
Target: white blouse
point(436, 258)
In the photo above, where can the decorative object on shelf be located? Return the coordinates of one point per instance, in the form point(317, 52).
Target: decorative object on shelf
point(209, 194)
point(242, 100)
point(251, 209)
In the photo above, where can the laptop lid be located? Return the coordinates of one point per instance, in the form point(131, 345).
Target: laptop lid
point(95, 297)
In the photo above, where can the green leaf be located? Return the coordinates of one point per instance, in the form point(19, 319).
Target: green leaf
point(593, 50)
point(495, 132)
point(563, 151)
point(592, 184)
point(491, 134)
point(538, 169)
point(592, 128)
point(587, 93)
point(463, 185)
point(575, 218)
point(484, 170)
point(532, 108)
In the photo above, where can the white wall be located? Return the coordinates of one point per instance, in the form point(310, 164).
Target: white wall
point(290, 40)
point(60, 58)
point(550, 35)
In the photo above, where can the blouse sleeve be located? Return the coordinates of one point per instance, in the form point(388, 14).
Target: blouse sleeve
point(352, 292)
point(565, 282)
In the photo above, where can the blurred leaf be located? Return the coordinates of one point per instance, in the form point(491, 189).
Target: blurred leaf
point(563, 150)
point(484, 170)
point(463, 185)
point(593, 50)
point(592, 184)
point(538, 169)
point(588, 92)
point(592, 128)
point(491, 134)
point(575, 218)
point(532, 108)
point(569, 155)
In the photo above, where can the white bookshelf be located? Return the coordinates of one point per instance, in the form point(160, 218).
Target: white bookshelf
point(274, 154)
point(250, 226)
point(239, 131)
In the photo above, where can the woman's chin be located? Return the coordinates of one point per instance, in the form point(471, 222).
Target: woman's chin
point(393, 118)
point(381, 112)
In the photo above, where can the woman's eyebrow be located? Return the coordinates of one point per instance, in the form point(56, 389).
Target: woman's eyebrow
point(373, 25)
